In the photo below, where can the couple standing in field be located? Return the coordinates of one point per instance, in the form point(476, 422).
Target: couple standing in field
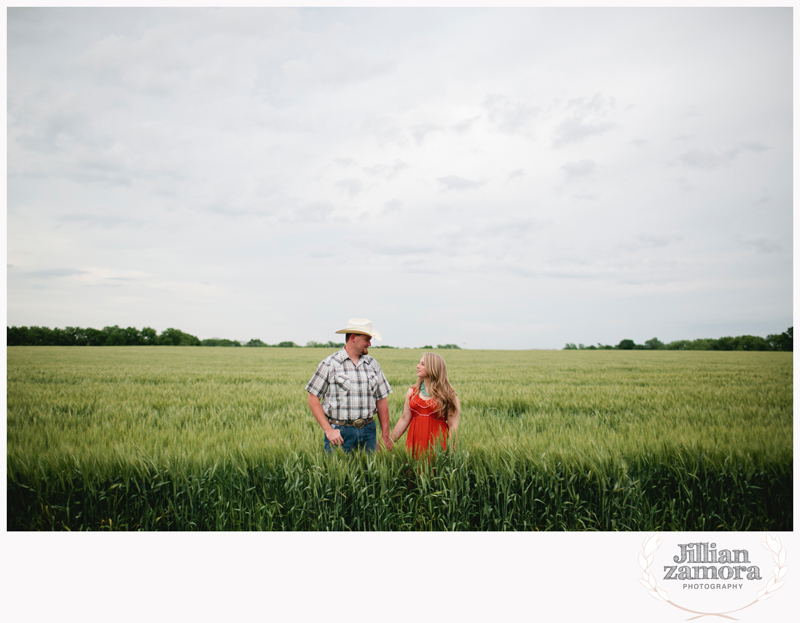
point(349, 388)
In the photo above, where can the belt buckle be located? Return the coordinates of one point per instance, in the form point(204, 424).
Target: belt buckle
point(359, 423)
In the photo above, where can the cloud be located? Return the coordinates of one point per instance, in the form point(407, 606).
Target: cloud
point(659, 240)
point(378, 169)
point(385, 170)
point(351, 186)
point(704, 159)
point(96, 220)
point(586, 120)
point(577, 170)
point(764, 198)
point(513, 228)
point(312, 212)
point(510, 117)
point(337, 68)
point(53, 132)
point(465, 124)
point(597, 104)
point(233, 211)
point(755, 146)
point(418, 251)
point(709, 160)
point(517, 173)
point(575, 130)
point(763, 244)
point(453, 182)
point(53, 273)
point(392, 206)
point(419, 132)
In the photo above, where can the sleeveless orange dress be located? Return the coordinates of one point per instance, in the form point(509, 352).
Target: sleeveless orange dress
point(427, 426)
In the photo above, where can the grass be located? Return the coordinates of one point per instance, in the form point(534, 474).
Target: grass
point(221, 439)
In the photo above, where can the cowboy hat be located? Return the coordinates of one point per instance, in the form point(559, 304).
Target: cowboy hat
point(362, 326)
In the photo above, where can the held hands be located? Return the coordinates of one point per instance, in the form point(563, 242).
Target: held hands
point(387, 441)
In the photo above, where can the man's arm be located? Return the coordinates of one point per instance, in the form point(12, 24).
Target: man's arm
point(383, 418)
point(333, 435)
point(405, 419)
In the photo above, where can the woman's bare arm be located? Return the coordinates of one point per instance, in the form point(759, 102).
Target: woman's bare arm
point(452, 423)
point(404, 421)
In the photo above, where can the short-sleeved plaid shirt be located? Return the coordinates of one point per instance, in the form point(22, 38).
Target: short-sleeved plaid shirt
point(348, 391)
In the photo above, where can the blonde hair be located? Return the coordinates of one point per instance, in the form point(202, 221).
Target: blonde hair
point(437, 385)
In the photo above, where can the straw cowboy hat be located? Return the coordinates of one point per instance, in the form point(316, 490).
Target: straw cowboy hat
point(362, 326)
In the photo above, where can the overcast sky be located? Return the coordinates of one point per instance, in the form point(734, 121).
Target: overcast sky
point(511, 178)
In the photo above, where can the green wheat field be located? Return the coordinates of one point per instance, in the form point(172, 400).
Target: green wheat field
point(183, 438)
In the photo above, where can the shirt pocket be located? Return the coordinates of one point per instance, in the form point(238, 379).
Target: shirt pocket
point(343, 381)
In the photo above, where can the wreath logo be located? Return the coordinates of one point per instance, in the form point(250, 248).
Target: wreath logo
point(648, 580)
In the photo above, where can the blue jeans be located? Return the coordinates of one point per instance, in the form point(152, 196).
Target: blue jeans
point(354, 438)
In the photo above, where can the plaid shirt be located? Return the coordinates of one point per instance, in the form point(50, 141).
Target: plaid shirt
point(348, 391)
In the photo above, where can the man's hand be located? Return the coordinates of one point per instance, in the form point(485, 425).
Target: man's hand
point(387, 441)
point(334, 436)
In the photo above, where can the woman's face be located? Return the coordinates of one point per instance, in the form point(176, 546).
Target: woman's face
point(421, 372)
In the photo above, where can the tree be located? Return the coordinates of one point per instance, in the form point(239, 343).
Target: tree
point(115, 338)
point(94, 337)
point(752, 343)
point(149, 336)
point(724, 343)
point(255, 342)
point(133, 337)
point(570, 346)
point(626, 345)
point(217, 341)
point(654, 344)
point(16, 336)
point(176, 337)
point(287, 345)
point(783, 342)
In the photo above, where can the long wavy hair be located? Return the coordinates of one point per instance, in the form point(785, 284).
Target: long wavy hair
point(437, 384)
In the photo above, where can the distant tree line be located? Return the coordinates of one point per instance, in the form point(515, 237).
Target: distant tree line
point(442, 346)
point(778, 341)
point(107, 336)
point(130, 336)
point(117, 336)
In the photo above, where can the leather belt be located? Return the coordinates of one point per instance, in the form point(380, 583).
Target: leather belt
point(360, 423)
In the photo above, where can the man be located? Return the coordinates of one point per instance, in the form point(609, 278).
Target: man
point(347, 390)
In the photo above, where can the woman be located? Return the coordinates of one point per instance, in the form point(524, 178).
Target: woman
point(431, 410)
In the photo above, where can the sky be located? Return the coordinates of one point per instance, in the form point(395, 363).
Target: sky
point(492, 178)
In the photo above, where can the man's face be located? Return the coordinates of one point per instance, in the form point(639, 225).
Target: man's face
point(362, 343)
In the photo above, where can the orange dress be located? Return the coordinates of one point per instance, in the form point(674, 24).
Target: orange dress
point(427, 426)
